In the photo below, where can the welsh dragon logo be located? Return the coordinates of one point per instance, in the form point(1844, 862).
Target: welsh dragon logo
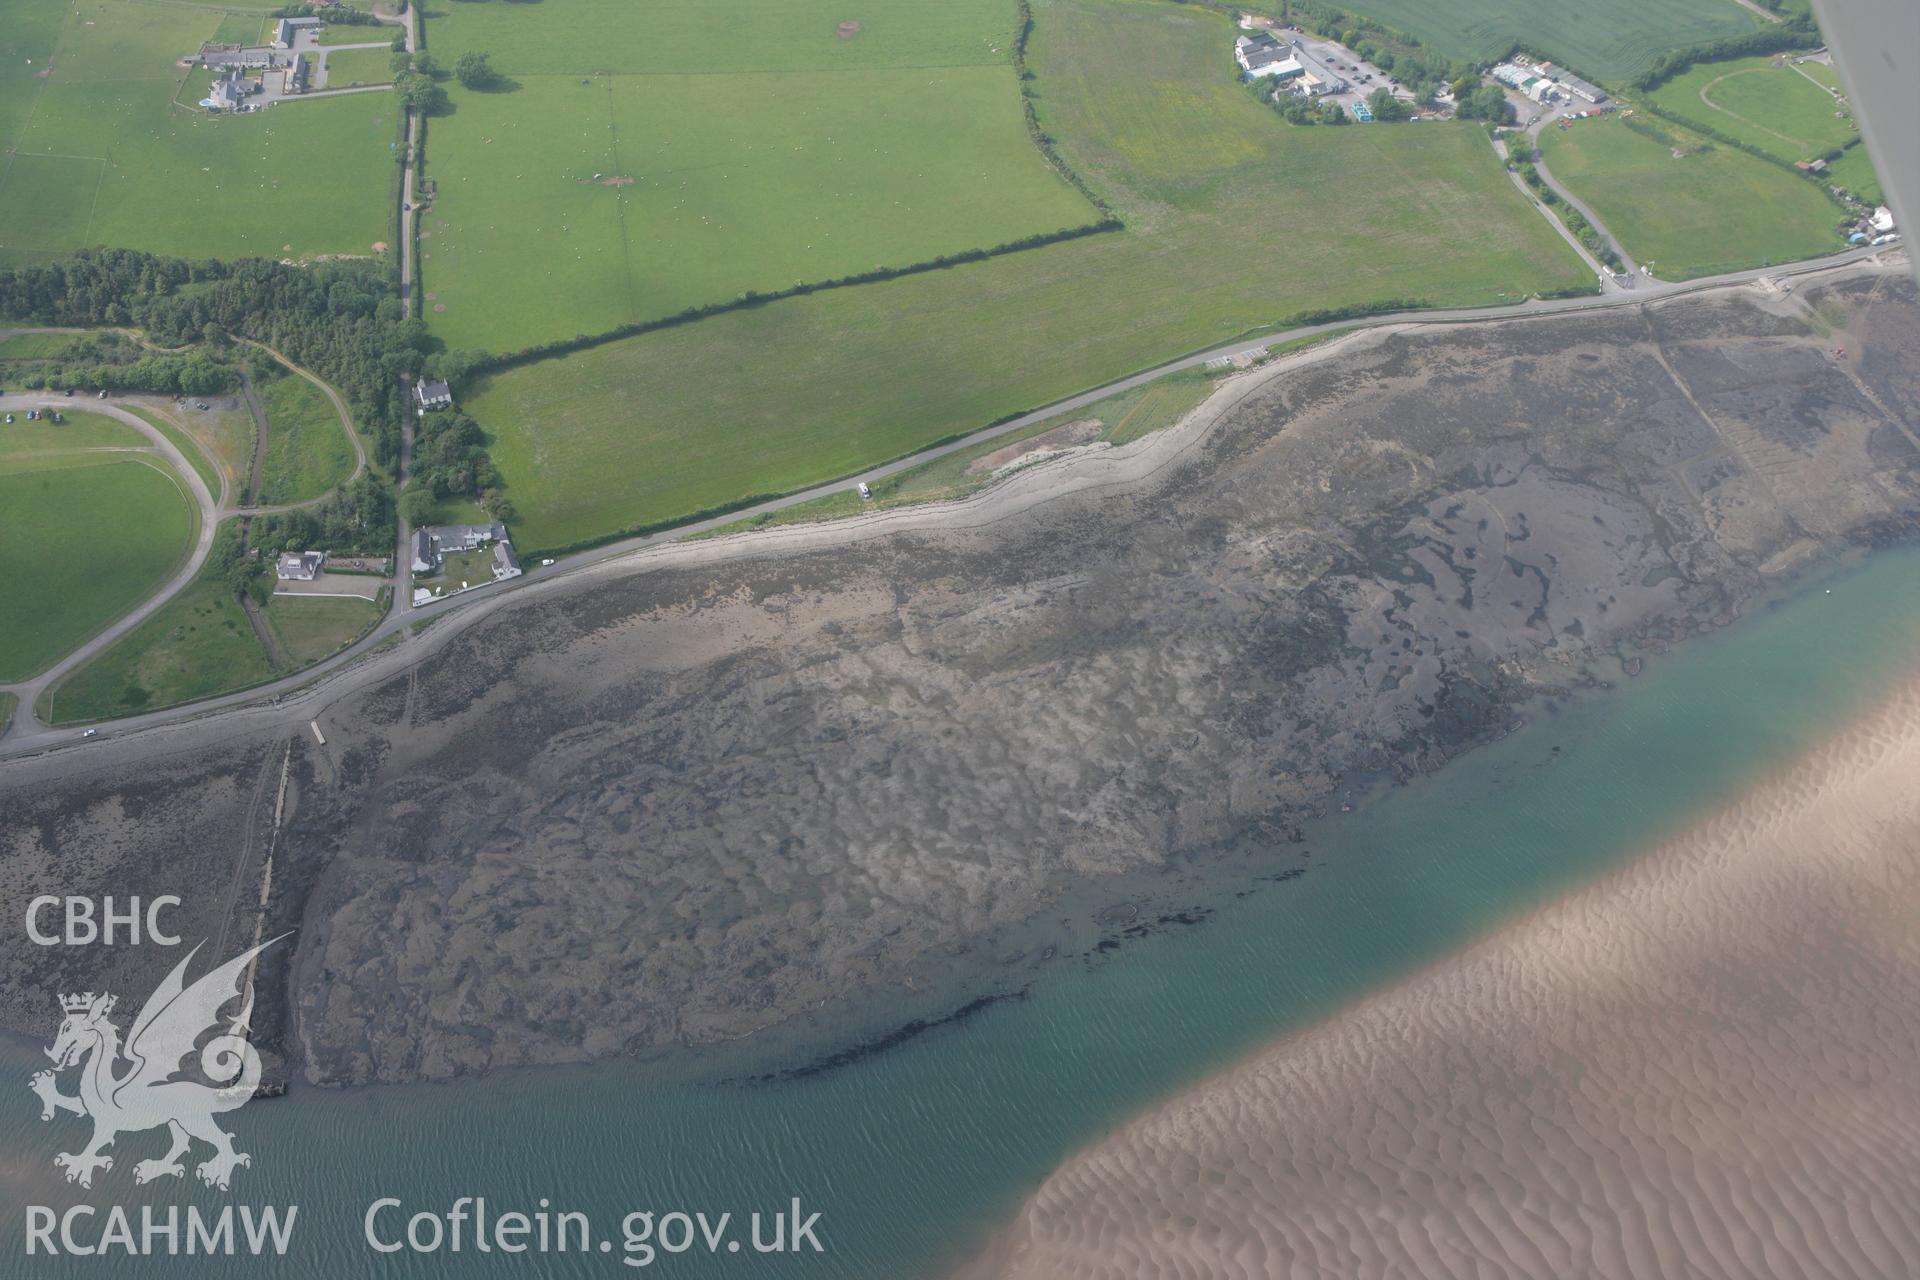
point(150, 1092)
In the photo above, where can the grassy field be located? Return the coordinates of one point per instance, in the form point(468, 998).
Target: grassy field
point(308, 628)
point(81, 430)
point(197, 645)
point(359, 66)
point(647, 158)
point(1854, 173)
point(100, 152)
point(1712, 209)
point(1236, 222)
point(83, 538)
point(1614, 41)
point(36, 346)
point(1118, 419)
point(1772, 108)
point(308, 454)
point(189, 448)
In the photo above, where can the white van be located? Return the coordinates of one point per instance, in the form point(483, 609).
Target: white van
point(866, 494)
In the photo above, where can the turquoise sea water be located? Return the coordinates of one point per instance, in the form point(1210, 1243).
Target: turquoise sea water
point(912, 1155)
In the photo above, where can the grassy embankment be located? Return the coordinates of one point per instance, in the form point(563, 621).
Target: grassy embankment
point(1236, 222)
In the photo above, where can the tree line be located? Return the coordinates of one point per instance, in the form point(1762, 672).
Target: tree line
point(339, 319)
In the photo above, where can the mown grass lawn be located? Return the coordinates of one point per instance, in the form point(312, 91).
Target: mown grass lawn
point(81, 430)
point(359, 66)
point(189, 448)
point(1711, 209)
point(309, 628)
point(646, 159)
point(1616, 40)
point(308, 454)
point(83, 539)
point(1773, 108)
point(109, 149)
point(1235, 222)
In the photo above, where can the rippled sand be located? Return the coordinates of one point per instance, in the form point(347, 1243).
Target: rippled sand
point(1707, 1064)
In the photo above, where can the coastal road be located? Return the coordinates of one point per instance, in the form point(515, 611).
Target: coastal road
point(29, 690)
point(29, 735)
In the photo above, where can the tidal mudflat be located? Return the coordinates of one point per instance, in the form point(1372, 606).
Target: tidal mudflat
point(846, 778)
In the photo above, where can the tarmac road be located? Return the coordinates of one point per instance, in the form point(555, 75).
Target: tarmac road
point(359, 666)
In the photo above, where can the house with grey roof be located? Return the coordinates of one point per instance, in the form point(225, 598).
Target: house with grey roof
point(231, 91)
point(432, 395)
point(288, 28)
point(433, 544)
point(505, 563)
point(425, 559)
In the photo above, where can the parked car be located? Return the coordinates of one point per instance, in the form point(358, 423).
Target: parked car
point(69, 390)
point(9, 419)
point(201, 404)
point(103, 395)
point(866, 494)
point(91, 733)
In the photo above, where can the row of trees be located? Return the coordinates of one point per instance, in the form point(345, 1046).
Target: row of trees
point(192, 373)
point(339, 319)
point(357, 519)
point(1793, 31)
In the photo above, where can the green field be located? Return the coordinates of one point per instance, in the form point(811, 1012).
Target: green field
point(359, 66)
point(198, 644)
point(1236, 222)
point(80, 431)
point(189, 448)
point(36, 346)
point(1611, 41)
point(1774, 109)
point(1121, 419)
point(308, 628)
point(109, 149)
point(1713, 209)
point(649, 158)
point(83, 538)
point(308, 454)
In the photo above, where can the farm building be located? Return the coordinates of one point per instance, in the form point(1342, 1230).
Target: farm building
point(302, 566)
point(1513, 75)
point(1262, 55)
point(432, 395)
point(1543, 91)
point(288, 28)
point(296, 75)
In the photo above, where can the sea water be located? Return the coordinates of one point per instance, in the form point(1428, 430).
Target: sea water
point(910, 1156)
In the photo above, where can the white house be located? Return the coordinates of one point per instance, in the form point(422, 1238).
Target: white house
point(302, 566)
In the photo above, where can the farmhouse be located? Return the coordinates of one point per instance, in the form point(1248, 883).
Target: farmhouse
point(432, 395)
point(230, 92)
point(432, 545)
point(301, 566)
point(296, 75)
point(288, 28)
point(505, 563)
